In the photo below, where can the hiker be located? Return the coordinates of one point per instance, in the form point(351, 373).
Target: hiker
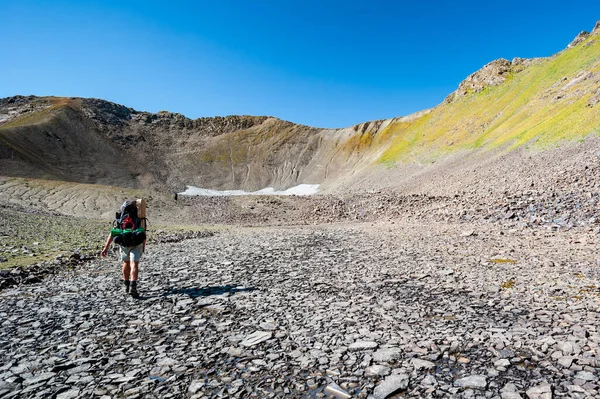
point(129, 233)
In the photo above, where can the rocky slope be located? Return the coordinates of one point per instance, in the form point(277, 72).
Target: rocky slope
point(95, 141)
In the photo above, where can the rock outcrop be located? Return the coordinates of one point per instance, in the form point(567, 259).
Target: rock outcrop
point(579, 38)
point(492, 74)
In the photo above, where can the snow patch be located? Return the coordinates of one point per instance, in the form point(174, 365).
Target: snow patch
point(302, 189)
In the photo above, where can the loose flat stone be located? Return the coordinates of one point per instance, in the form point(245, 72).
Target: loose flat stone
point(165, 361)
point(363, 345)
point(566, 347)
point(268, 326)
point(377, 370)
point(195, 386)
point(39, 378)
point(510, 387)
point(542, 391)
point(505, 353)
point(585, 375)
point(510, 395)
point(256, 338)
point(419, 364)
point(334, 390)
point(429, 381)
point(6, 386)
point(235, 352)
point(565, 361)
point(438, 319)
point(576, 389)
point(70, 394)
point(472, 381)
point(392, 384)
point(387, 354)
point(133, 392)
point(502, 363)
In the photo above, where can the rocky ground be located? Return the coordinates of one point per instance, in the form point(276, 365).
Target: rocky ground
point(466, 282)
point(463, 310)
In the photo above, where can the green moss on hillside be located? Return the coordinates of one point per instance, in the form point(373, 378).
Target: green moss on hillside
point(31, 118)
point(47, 108)
point(30, 238)
point(543, 104)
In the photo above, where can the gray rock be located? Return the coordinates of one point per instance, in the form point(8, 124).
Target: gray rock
point(586, 376)
point(195, 386)
point(387, 354)
point(6, 387)
point(377, 370)
point(362, 345)
point(509, 387)
point(392, 384)
point(334, 390)
point(510, 395)
point(542, 391)
point(472, 381)
point(420, 364)
point(576, 389)
point(166, 361)
point(506, 354)
point(565, 361)
point(70, 394)
point(38, 378)
point(256, 338)
point(566, 347)
point(269, 325)
point(429, 381)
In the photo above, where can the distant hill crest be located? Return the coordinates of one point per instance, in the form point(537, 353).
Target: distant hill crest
point(502, 106)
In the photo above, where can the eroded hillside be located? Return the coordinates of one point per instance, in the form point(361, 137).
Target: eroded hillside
point(95, 141)
point(533, 104)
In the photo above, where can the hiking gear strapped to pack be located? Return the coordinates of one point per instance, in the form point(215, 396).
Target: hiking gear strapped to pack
point(129, 228)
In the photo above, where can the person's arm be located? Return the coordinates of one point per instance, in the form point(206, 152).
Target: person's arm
point(109, 240)
point(146, 231)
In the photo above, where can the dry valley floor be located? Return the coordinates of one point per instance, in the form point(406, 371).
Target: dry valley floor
point(348, 309)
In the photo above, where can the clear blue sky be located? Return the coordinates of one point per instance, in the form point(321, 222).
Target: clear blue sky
point(319, 63)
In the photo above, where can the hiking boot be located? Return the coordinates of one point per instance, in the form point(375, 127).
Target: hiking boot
point(134, 293)
point(126, 282)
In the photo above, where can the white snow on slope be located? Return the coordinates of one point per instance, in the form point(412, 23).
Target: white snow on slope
point(302, 189)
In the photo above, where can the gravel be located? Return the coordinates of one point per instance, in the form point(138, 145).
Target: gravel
point(366, 309)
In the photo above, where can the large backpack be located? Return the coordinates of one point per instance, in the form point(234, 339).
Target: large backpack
point(129, 227)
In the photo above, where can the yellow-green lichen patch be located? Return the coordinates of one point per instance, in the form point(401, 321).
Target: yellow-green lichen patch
point(508, 284)
point(543, 104)
point(502, 260)
point(30, 118)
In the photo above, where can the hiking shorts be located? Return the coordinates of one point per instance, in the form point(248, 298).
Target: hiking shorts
point(133, 253)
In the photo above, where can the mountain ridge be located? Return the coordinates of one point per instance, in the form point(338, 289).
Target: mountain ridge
point(504, 105)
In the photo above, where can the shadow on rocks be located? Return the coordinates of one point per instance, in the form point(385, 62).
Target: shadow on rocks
point(208, 291)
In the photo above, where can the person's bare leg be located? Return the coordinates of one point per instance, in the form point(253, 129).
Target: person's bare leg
point(126, 273)
point(134, 271)
point(134, 277)
point(126, 270)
